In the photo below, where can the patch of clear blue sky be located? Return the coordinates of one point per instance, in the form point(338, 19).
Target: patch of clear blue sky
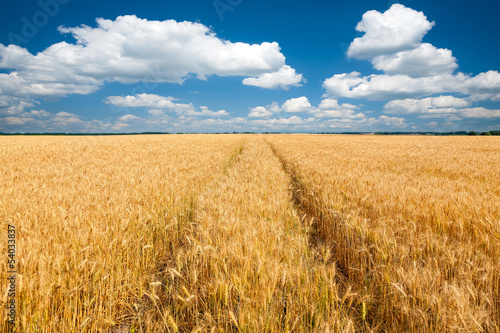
point(313, 36)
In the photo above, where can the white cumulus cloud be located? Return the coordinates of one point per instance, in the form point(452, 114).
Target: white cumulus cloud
point(293, 120)
point(12, 106)
point(284, 78)
point(206, 112)
point(128, 118)
point(333, 104)
point(441, 104)
point(149, 101)
point(295, 105)
point(157, 104)
point(398, 29)
point(432, 107)
point(414, 72)
point(390, 121)
point(129, 50)
point(386, 87)
point(259, 112)
point(480, 112)
point(43, 121)
point(425, 60)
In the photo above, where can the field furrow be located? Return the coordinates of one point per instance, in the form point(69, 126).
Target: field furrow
point(248, 265)
point(421, 253)
point(95, 215)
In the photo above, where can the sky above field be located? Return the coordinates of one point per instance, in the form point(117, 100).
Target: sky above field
point(249, 65)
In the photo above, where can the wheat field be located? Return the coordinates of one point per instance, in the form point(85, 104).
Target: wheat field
point(252, 233)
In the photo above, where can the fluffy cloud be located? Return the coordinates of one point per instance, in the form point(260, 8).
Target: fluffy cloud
point(259, 112)
point(162, 120)
point(425, 60)
point(157, 120)
point(265, 111)
point(37, 114)
point(284, 78)
point(293, 120)
point(43, 121)
point(414, 72)
point(479, 112)
point(44, 74)
point(484, 86)
point(149, 101)
point(328, 108)
point(386, 87)
point(206, 112)
point(364, 123)
point(448, 102)
point(398, 29)
point(127, 49)
point(130, 50)
point(128, 118)
point(390, 121)
point(340, 114)
point(441, 104)
point(15, 121)
point(327, 116)
point(158, 104)
point(302, 105)
point(295, 105)
point(340, 85)
point(333, 104)
point(10, 105)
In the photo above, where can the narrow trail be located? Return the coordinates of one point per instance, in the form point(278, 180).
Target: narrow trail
point(250, 260)
point(304, 202)
point(248, 264)
point(395, 287)
point(150, 310)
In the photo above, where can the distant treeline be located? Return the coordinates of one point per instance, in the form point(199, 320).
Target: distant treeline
point(440, 133)
point(84, 134)
point(495, 132)
point(471, 133)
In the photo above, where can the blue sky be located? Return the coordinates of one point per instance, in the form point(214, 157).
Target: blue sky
point(249, 65)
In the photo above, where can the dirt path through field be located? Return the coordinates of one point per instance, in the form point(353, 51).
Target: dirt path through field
point(248, 264)
point(412, 247)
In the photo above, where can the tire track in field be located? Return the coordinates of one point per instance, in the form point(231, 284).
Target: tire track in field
point(247, 260)
point(247, 265)
point(308, 206)
point(305, 203)
point(150, 304)
point(244, 250)
point(344, 254)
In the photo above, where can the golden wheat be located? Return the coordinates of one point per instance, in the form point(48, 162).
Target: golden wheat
point(229, 233)
point(247, 264)
point(413, 223)
point(93, 215)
